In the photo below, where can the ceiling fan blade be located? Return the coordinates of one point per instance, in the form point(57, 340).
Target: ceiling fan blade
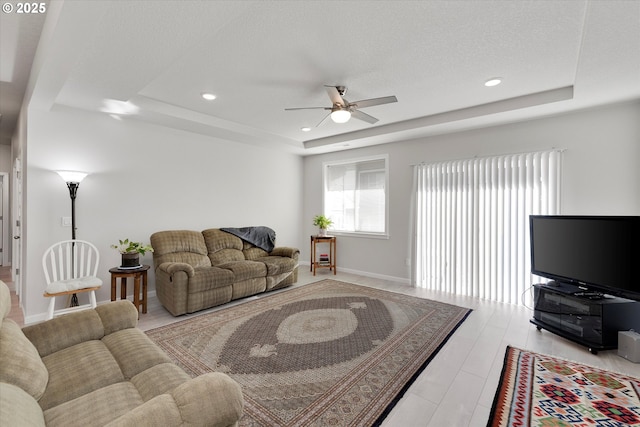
point(323, 120)
point(374, 101)
point(334, 95)
point(357, 114)
point(307, 108)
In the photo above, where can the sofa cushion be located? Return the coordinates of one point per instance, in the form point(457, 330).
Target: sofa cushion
point(159, 379)
point(78, 370)
point(243, 270)
point(278, 265)
point(248, 287)
point(222, 247)
point(134, 351)
point(179, 246)
point(18, 408)
point(205, 299)
point(20, 363)
point(253, 253)
point(96, 408)
point(159, 411)
point(208, 278)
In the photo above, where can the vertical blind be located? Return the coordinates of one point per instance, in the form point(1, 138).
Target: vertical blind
point(471, 223)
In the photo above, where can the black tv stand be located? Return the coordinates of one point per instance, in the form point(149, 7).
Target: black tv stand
point(589, 294)
point(588, 318)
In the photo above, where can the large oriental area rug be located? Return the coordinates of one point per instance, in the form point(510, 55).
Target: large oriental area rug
point(540, 390)
point(326, 354)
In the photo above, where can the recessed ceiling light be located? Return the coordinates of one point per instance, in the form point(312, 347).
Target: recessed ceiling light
point(495, 81)
point(305, 129)
point(209, 96)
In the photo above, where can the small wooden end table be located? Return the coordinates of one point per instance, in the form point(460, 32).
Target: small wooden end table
point(137, 273)
point(329, 263)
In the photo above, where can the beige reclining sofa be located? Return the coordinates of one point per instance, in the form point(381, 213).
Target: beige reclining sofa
point(197, 270)
point(95, 368)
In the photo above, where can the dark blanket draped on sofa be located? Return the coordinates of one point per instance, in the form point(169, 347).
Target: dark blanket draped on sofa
point(262, 237)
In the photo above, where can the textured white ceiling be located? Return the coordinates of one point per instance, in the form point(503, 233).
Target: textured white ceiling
point(260, 57)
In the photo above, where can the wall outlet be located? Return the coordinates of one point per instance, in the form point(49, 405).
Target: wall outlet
point(66, 221)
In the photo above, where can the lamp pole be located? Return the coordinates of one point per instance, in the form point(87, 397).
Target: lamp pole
point(73, 190)
point(73, 178)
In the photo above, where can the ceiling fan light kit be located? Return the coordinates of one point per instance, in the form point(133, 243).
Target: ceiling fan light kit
point(342, 110)
point(340, 116)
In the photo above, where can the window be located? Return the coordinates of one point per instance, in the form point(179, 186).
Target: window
point(355, 195)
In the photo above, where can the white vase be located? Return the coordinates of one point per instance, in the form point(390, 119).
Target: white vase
point(322, 232)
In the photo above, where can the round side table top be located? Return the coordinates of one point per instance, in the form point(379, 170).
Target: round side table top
point(138, 269)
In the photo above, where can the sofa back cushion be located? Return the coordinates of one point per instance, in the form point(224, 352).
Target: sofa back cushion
point(252, 252)
point(179, 246)
point(222, 247)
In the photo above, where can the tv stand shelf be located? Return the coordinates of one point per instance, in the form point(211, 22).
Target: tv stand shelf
point(586, 318)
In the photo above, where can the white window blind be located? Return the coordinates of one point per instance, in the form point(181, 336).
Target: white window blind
point(355, 196)
point(471, 223)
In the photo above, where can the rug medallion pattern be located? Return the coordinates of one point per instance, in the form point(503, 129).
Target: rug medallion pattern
point(540, 390)
point(327, 353)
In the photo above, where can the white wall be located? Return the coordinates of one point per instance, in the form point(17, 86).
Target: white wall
point(5, 158)
point(145, 178)
point(601, 175)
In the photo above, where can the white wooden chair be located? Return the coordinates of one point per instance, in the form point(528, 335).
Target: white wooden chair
point(70, 267)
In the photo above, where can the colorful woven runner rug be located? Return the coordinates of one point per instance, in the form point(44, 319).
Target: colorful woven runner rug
point(326, 354)
point(540, 390)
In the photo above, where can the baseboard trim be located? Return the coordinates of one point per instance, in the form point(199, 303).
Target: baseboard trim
point(402, 280)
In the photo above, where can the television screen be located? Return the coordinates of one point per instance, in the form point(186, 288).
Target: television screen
point(598, 253)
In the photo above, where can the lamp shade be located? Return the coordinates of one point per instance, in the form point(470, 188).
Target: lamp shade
point(72, 176)
point(340, 116)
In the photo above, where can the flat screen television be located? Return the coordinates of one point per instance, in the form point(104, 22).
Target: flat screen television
point(600, 254)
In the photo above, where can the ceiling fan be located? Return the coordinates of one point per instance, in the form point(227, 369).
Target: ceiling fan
point(342, 110)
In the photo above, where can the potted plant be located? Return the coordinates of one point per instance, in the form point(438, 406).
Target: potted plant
point(131, 251)
point(322, 222)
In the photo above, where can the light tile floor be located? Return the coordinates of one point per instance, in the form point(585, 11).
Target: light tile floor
point(457, 387)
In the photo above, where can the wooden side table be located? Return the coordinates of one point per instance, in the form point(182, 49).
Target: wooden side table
point(137, 274)
point(330, 263)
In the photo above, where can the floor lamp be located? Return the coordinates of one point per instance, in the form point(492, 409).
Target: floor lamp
point(73, 179)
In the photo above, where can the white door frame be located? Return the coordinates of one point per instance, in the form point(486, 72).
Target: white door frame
point(16, 221)
point(5, 218)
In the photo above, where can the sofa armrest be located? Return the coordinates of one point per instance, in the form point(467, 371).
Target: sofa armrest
point(285, 252)
point(173, 267)
point(212, 399)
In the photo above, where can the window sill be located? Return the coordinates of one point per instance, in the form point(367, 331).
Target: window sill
point(359, 234)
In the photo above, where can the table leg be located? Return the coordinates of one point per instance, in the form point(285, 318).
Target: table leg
point(123, 288)
point(313, 257)
point(113, 287)
point(136, 292)
point(333, 256)
point(144, 291)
